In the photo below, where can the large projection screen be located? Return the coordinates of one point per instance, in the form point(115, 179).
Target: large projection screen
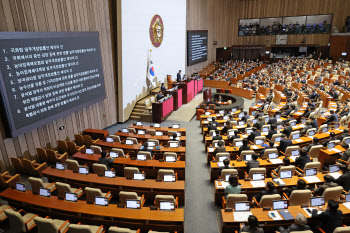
point(47, 75)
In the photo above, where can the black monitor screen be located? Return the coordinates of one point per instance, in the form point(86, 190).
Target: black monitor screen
point(47, 75)
point(197, 47)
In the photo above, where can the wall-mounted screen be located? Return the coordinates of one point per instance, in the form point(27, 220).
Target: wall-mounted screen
point(197, 46)
point(305, 24)
point(47, 75)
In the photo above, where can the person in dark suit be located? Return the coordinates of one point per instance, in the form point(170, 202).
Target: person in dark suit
point(288, 129)
point(217, 135)
point(332, 118)
point(253, 163)
point(299, 225)
point(331, 218)
point(245, 117)
point(302, 160)
point(144, 147)
point(270, 189)
point(221, 147)
point(106, 161)
point(160, 95)
point(284, 143)
point(254, 134)
point(344, 180)
point(178, 76)
point(162, 87)
point(271, 132)
point(328, 183)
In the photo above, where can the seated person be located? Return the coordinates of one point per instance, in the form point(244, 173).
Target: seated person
point(221, 147)
point(299, 225)
point(301, 185)
point(328, 183)
point(331, 218)
point(234, 187)
point(106, 161)
point(226, 166)
point(252, 226)
point(217, 135)
point(270, 189)
point(254, 163)
point(245, 146)
point(286, 162)
point(302, 160)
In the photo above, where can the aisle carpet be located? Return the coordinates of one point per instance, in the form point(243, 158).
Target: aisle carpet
point(186, 111)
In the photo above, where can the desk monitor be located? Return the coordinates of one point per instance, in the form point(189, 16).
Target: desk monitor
point(166, 205)
point(103, 201)
point(249, 131)
point(139, 123)
point(325, 130)
point(310, 172)
point(113, 154)
point(296, 136)
point(344, 53)
point(234, 110)
point(336, 125)
point(317, 201)
point(177, 126)
point(133, 204)
point(240, 115)
point(139, 176)
point(129, 142)
point(159, 133)
point(109, 139)
point(207, 113)
point(110, 174)
point(255, 121)
point(231, 133)
point(239, 143)
point(170, 158)
point(273, 155)
point(169, 178)
point(222, 112)
point(84, 170)
point(209, 119)
point(141, 132)
point(222, 158)
point(89, 151)
point(258, 176)
point(44, 192)
point(265, 129)
point(331, 145)
point(141, 157)
point(333, 168)
point(285, 174)
point(258, 142)
point(347, 197)
point(156, 125)
point(173, 144)
point(280, 204)
point(71, 197)
point(20, 187)
point(312, 133)
point(60, 166)
point(225, 117)
point(293, 123)
point(124, 130)
point(248, 157)
point(278, 116)
point(295, 152)
point(242, 206)
point(277, 139)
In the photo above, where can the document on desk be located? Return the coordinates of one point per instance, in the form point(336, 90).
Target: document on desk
point(241, 216)
point(277, 215)
point(347, 205)
point(310, 209)
point(335, 175)
point(223, 184)
point(276, 161)
point(210, 149)
point(293, 157)
point(258, 184)
point(312, 179)
point(254, 147)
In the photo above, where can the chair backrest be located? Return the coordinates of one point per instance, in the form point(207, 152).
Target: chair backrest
point(62, 188)
point(225, 154)
point(146, 153)
point(75, 228)
point(99, 169)
point(97, 149)
point(342, 230)
point(154, 140)
point(116, 138)
point(16, 220)
point(129, 171)
point(87, 140)
point(119, 230)
point(123, 196)
point(36, 184)
point(270, 151)
point(230, 171)
point(45, 225)
point(79, 139)
point(256, 170)
point(91, 193)
point(134, 140)
point(28, 167)
point(42, 154)
point(72, 164)
point(132, 130)
point(300, 197)
point(315, 151)
point(52, 156)
point(263, 138)
point(62, 146)
point(17, 164)
point(246, 152)
point(309, 165)
point(267, 200)
point(119, 151)
point(233, 198)
point(159, 198)
point(163, 172)
point(151, 132)
point(289, 150)
point(332, 193)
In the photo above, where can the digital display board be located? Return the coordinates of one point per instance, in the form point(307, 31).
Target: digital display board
point(47, 75)
point(197, 46)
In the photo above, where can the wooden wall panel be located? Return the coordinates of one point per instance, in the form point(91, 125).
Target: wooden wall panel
point(61, 15)
point(221, 18)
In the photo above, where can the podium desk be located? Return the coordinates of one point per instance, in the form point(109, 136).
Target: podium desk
point(162, 110)
point(149, 187)
point(177, 95)
point(111, 215)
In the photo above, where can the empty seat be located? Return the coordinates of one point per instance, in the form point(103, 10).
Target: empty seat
point(38, 183)
point(91, 193)
point(124, 195)
point(48, 225)
point(63, 188)
point(19, 223)
point(79, 228)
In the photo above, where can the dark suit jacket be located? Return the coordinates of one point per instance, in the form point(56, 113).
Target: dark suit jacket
point(178, 77)
point(329, 220)
point(344, 181)
point(288, 130)
point(284, 143)
point(106, 161)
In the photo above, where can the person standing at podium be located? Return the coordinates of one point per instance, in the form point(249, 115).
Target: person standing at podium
point(178, 77)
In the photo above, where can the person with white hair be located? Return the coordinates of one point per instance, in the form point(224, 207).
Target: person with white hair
point(299, 225)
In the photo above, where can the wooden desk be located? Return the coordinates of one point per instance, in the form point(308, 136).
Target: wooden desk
point(163, 129)
point(161, 111)
point(143, 138)
point(96, 133)
point(111, 215)
point(150, 188)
